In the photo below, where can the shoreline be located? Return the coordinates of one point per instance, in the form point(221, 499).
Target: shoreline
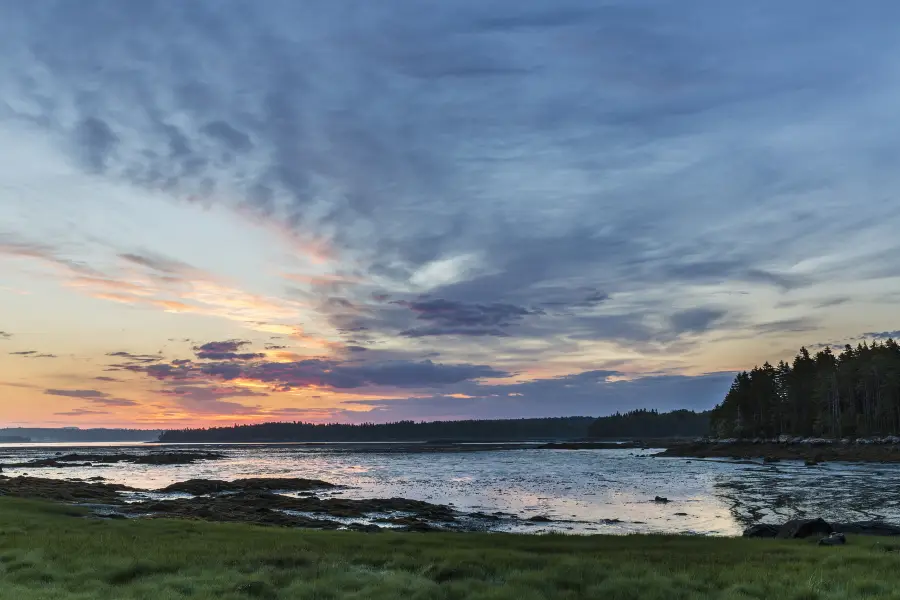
point(306, 504)
point(812, 453)
point(288, 502)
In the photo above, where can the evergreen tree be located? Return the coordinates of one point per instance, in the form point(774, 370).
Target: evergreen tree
point(855, 393)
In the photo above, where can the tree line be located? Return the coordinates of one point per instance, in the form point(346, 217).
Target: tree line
point(852, 394)
point(644, 423)
point(567, 428)
point(631, 425)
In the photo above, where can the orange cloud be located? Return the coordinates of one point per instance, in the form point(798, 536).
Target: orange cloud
point(173, 306)
point(115, 297)
point(109, 284)
point(173, 286)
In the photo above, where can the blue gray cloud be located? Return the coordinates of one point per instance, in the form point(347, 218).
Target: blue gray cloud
point(590, 393)
point(579, 144)
point(227, 350)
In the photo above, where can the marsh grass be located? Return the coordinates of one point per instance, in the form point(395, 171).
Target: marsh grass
point(52, 551)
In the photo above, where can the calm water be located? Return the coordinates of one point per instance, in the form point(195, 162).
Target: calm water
point(583, 491)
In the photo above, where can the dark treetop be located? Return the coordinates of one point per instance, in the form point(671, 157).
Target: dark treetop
point(855, 393)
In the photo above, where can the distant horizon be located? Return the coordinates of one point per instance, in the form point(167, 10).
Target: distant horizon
point(479, 210)
point(239, 424)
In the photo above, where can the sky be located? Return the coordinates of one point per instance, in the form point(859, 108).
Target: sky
point(222, 211)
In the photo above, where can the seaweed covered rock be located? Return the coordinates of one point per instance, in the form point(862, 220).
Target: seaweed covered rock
point(62, 490)
point(261, 507)
point(201, 487)
point(803, 528)
point(867, 528)
point(76, 459)
point(761, 530)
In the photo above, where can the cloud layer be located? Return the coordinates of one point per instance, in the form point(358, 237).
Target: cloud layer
point(477, 200)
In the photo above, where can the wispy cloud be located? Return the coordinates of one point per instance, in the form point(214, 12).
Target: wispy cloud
point(155, 281)
point(33, 354)
point(95, 397)
point(81, 412)
point(75, 393)
point(46, 255)
point(883, 335)
point(799, 324)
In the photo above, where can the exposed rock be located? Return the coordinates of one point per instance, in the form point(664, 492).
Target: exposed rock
point(257, 506)
point(86, 460)
point(761, 530)
point(867, 528)
point(661, 499)
point(247, 504)
point(62, 490)
point(802, 528)
point(835, 539)
point(200, 487)
point(771, 459)
point(540, 519)
point(681, 514)
point(409, 524)
point(486, 517)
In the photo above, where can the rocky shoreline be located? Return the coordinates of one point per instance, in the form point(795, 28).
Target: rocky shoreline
point(288, 502)
point(308, 503)
point(810, 450)
point(828, 534)
point(76, 459)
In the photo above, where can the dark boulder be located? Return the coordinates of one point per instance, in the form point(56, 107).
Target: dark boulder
point(835, 539)
point(540, 519)
point(761, 530)
point(201, 487)
point(661, 499)
point(481, 515)
point(802, 528)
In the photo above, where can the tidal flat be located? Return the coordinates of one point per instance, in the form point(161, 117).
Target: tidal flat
point(521, 490)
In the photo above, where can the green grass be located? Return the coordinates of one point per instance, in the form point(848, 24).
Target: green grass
point(52, 551)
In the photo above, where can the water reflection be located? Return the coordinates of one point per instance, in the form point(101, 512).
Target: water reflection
point(585, 491)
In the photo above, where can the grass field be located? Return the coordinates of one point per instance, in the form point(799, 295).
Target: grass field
point(52, 551)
